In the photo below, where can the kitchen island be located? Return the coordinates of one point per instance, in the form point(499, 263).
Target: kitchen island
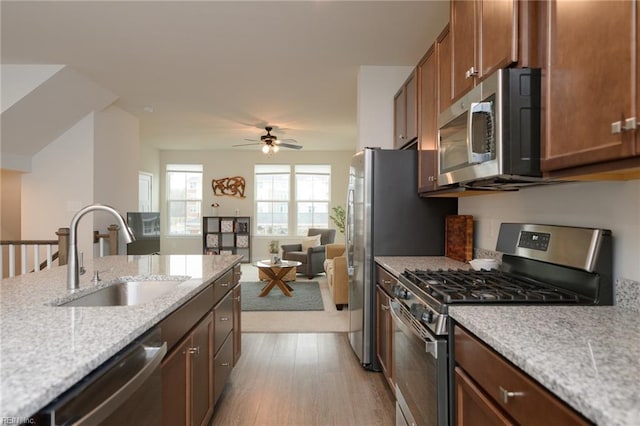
point(45, 349)
point(587, 356)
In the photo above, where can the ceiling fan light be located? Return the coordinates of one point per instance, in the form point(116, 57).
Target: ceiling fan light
point(265, 149)
point(275, 148)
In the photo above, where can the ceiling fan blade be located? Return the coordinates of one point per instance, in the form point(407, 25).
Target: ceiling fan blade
point(252, 140)
point(292, 146)
point(247, 144)
point(280, 141)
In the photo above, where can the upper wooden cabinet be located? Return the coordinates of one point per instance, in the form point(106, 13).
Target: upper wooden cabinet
point(443, 59)
point(405, 106)
point(590, 92)
point(484, 37)
point(427, 73)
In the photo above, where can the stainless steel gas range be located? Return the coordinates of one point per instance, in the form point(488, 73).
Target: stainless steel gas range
point(541, 264)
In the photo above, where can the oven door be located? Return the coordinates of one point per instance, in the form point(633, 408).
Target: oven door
point(420, 368)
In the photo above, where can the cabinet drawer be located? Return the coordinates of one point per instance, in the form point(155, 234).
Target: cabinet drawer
point(222, 285)
point(222, 321)
point(532, 406)
point(385, 279)
point(179, 322)
point(223, 363)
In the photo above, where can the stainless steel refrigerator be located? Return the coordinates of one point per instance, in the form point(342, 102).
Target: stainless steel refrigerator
point(385, 217)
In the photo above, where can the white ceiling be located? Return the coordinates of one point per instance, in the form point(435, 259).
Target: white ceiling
point(216, 72)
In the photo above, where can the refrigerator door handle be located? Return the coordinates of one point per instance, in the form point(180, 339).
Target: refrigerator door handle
point(348, 232)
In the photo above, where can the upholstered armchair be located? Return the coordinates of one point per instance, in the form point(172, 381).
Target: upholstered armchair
point(335, 267)
point(311, 252)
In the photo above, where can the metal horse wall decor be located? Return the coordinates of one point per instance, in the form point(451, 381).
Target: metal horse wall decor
point(232, 186)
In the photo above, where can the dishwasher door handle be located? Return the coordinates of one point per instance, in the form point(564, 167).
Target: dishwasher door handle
point(102, 411)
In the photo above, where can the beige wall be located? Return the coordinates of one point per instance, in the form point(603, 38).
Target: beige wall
point(220, 164)
point(10, 218)
point(95, 161)
point(150, 163)
point(115, 165)
point(609, 205)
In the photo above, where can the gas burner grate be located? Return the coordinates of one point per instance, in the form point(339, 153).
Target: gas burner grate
point(466, 286)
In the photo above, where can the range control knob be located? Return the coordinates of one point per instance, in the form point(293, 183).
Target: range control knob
point(427, 317)
point(400, 292)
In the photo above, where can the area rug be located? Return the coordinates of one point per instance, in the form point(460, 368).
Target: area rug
point(306, 297)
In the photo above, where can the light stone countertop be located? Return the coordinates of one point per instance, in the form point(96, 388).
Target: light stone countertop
point(587, 356)
point(45, 349)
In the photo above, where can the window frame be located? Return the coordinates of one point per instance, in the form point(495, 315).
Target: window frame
point(294, 170)
point(276, 169)
point(187, 168)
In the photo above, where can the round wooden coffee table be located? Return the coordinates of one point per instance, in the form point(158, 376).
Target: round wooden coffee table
point(275, 273)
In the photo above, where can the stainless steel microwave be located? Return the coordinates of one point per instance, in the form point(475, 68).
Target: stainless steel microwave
point(490, 138)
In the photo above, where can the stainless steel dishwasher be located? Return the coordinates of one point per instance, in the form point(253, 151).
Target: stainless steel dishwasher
point(125, 390)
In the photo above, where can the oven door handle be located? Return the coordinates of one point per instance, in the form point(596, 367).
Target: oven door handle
point(430, 344)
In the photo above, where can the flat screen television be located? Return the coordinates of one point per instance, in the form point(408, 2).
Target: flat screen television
point(146, 229)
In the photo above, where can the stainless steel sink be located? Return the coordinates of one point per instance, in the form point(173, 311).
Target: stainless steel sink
point(125, 293)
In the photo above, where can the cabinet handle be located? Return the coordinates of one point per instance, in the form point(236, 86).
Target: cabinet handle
point(384, 307)
point(616, 127)
point(194, 351)
point(401, 136)
point(630, 124)
point(237, 299)
point(386, 281)
point(224, 318)
point(432, 178)
point(224, 285)
point(225, 364)
point(505, 394)
point(471, 72)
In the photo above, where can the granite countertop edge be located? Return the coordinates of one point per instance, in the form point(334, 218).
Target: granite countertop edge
point(73, 341)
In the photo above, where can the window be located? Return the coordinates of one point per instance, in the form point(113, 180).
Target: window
point(308, 198)
point(184, 198)
point(272, 199)
point(313, 183)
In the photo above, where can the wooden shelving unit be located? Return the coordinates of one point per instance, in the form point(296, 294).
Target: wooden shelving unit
point(227, 235)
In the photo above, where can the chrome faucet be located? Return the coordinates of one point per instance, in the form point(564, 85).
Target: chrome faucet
point(72, 266)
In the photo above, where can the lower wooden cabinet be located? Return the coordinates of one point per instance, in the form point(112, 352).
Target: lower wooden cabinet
point(490, 390)
point(187, 378)
point(203, 337)
point(473, 406)
point(175, 376)
point(237, 328)
point(223, 364)
point(384, 324)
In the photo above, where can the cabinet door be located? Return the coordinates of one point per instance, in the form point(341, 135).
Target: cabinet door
point(411, 109)
point(443, 54)
point(473, 407)
point(237, 328)
point(175, 375)
point(498, 41)
point(383, 334)
point(637, 65)
point(201, 359)
point(427, 141)
point(223, 321)
point(590, 82)
point(399, 118)
point(463, 46)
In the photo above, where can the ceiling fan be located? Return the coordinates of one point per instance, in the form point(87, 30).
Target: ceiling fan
point(271, 143)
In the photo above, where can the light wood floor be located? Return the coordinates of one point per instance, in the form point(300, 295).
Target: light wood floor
point(302, 379)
